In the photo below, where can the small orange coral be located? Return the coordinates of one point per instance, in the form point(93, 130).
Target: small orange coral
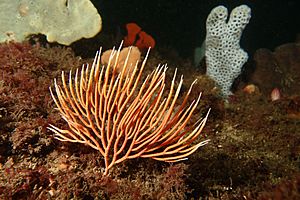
point(145, 41)
point(132, 58)
point(136, 37)
point(132, 31)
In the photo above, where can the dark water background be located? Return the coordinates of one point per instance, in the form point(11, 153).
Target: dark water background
point(180, 24)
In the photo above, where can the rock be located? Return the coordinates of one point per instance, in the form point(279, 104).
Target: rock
point(280, 69)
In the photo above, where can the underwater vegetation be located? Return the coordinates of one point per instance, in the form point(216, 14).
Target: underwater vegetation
point(253, 155)
point(74, 127)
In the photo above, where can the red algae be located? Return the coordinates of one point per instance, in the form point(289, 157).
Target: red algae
point(253, 154)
